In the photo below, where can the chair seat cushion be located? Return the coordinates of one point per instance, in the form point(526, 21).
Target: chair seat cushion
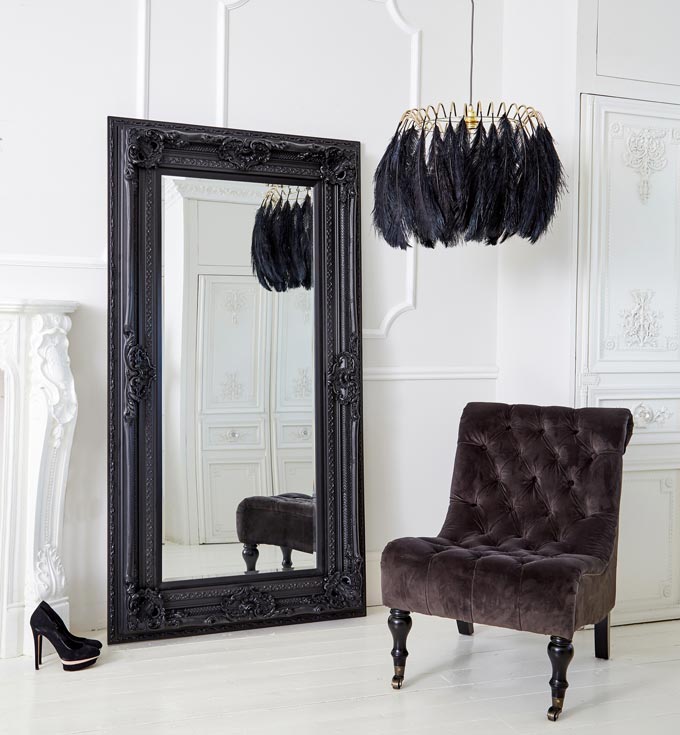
point(545, 590)
point(279, 520)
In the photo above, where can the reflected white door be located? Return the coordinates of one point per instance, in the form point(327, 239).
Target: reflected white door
point(232, 399)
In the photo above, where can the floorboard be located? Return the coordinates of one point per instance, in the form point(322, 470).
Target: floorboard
point(334, 677)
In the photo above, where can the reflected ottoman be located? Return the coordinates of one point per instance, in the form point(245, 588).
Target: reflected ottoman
point(285, 520)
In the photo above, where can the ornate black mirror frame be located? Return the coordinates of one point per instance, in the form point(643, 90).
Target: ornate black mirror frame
point(140, 605)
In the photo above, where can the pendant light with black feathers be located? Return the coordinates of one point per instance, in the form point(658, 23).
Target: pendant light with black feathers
point(481, 174)
point(281, 250)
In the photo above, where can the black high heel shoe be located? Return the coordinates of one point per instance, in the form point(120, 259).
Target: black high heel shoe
point(74, 655)
point(61, 626)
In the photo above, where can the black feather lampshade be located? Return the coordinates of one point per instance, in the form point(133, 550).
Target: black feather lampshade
point(481, 175)
point(281, 250)
point(478, 176)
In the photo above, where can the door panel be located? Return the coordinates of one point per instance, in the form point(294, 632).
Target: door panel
point(226, 481)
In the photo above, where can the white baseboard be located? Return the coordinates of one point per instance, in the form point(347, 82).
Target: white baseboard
point(373, 593)
point(11, 637)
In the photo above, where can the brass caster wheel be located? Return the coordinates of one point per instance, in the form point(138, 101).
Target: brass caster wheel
point(398, 678)
point(554, 713)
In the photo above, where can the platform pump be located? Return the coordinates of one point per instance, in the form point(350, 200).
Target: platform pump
point(76, 653)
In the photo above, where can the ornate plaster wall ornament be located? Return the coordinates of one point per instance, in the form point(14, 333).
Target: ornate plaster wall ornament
point(234, 302)
point(303, 301)
point(645, 153)
point(53, 376)
point(228, 436)
point(231, 388)
point(641, 324)
point(645, 415)
point(302, 384)
point(50, 578)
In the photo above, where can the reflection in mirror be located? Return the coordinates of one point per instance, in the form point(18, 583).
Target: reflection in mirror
point(237, 379)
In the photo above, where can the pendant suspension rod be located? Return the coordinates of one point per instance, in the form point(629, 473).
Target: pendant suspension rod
point(472, 45)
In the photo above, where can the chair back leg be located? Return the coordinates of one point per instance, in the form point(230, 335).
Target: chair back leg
point(602, 638)
point(286, 554)
point(465, 628)
point(399, 623)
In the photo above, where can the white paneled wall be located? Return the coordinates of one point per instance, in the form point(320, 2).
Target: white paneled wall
point(338, 68)
point(436, 323)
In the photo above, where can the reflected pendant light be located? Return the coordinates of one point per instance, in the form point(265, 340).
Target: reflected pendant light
point(481, 175)
point(281, 250)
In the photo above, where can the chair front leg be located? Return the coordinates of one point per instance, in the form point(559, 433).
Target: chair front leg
point(602, 638)
point(399, 623)
point(250, 555)
point(560, 652)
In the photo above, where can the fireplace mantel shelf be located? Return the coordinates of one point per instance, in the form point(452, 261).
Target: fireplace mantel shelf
point(36, 306)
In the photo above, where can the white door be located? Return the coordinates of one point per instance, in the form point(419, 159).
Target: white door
point(628, 351)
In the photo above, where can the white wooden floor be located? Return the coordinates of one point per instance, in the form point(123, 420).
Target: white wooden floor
point(329, 678)
point(200, 561)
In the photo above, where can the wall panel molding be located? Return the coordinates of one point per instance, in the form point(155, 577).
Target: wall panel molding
point(143, 57)
point(651, 501)
point(24, 260)
point(483, 372)
point(410, 276)
point(224, 8)
point(223, 21)
point(655, 409)
point(630, 314)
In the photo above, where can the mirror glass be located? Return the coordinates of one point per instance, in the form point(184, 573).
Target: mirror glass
point(237, 379)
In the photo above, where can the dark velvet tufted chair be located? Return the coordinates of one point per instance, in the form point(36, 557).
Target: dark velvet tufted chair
point(529, 541)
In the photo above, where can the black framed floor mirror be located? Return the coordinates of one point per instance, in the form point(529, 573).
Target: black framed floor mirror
point(235, 444)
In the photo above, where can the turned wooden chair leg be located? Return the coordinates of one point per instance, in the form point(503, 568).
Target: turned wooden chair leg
point(287, 562)
point(465, 628)
point(560, 652)
point(399, 623)
point(250, 555)
point(602, 638)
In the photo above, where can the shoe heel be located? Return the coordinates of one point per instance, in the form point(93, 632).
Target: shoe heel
point(37, 648)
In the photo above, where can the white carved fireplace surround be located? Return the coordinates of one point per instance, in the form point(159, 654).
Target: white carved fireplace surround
point(37, 420)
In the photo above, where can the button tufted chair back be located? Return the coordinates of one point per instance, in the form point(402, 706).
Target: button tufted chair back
point(541, 479)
